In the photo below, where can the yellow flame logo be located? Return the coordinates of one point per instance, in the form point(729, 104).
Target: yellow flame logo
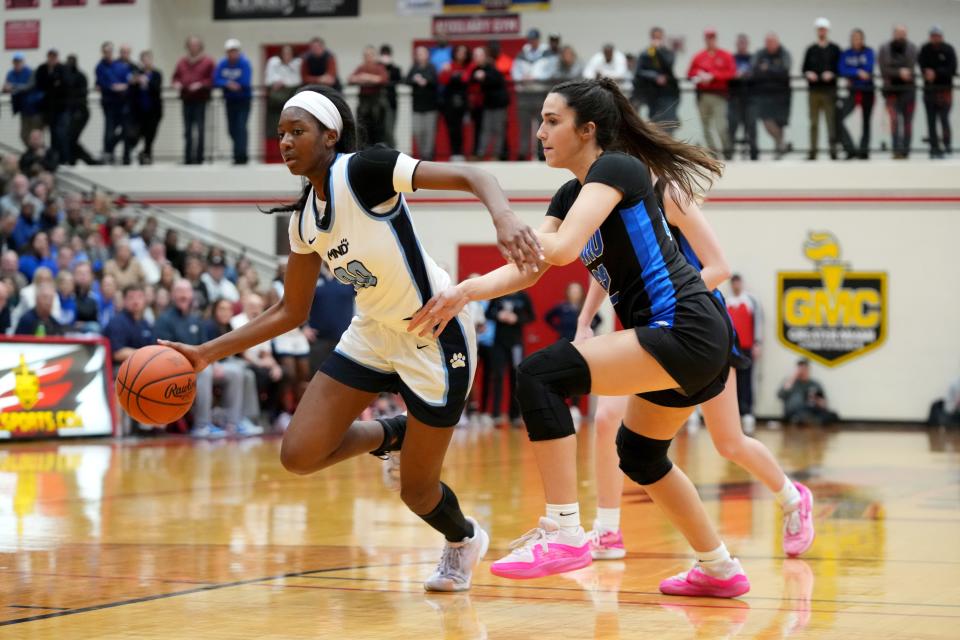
point(823, 248)
point(26, 385)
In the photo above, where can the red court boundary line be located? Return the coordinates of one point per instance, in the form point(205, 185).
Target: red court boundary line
point(546, 200)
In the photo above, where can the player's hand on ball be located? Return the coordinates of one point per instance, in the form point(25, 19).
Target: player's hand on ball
point(432, 318)
point(190, 352)
point(518, 243)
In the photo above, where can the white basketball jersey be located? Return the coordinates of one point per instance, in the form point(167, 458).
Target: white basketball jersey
point(375, 251)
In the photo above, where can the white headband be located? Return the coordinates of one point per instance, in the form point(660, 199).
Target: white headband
point(319, 106)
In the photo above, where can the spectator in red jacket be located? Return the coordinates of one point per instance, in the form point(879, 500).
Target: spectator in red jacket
point(194, 78)
point(747, 317)
point(711, 71)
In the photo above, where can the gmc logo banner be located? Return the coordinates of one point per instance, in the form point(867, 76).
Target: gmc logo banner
point(271, 9)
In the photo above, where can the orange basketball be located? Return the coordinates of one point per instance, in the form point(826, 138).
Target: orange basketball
point(156, 385)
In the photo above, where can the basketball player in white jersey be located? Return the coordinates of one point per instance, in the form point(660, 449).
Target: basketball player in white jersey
point(352, 214)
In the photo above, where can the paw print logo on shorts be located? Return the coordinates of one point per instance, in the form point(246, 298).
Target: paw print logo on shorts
point(458, 361)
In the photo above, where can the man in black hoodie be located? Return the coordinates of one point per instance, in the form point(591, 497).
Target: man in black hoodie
point(820, 65)
point(898, 62)
point(654, 83)
point(49, 79)
point(938, 64)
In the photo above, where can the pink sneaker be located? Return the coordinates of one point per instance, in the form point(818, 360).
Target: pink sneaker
point(544, 551)
point(798, 524)
point(605, 544)
point(697, 582)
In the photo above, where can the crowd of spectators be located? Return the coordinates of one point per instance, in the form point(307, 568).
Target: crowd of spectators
point(76, 266)
point(472, 90)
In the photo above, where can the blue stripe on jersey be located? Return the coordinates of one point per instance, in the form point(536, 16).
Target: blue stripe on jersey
point(688, 252)
point(402, 228)
point(656, 278)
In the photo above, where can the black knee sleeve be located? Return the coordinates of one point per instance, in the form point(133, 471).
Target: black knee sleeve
point(544, 381)
point(644, 460)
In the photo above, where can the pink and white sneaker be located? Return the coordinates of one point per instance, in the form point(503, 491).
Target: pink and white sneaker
point(606, 544)
point(798, 530)
point(544, 551)
point(698, 583)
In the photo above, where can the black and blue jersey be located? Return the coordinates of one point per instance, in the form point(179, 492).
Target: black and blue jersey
point(633, 254)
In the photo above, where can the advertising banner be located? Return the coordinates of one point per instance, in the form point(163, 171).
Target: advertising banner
point(833, 313)
point(268, 9)
point(55, 387)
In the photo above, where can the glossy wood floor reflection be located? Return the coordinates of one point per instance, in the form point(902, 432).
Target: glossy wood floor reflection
point(183, 539)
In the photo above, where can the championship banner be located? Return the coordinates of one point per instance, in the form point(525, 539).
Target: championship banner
point(267, 9)
point(833, 314)
point(55, 387)
point(480, 6)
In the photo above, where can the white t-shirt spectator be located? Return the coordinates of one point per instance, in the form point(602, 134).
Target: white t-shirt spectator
point(150, 268)
point(286, 74)
point(616, 69)
point(257, 353)
point(217, 290)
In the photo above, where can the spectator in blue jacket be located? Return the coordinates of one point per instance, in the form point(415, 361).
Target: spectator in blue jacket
point(28, 225)
point(113, 83)
point(856, 65)
point(233, 75)
point(24, 98)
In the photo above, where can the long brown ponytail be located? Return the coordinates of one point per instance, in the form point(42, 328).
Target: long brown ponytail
point(691, 168)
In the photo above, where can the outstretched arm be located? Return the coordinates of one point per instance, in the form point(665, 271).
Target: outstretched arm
point(290, 312)
point(517, 242)
point(592, 206)
point(433, 317)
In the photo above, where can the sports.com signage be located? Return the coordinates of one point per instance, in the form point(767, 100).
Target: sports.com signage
point(832, 314)
point(54, 388)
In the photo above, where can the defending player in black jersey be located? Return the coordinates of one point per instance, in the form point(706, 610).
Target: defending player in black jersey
point(699, 245)
point(673, 352)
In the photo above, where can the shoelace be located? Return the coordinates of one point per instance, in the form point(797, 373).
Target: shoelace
point(531, 538)
point(793, 522)
point(451, 563)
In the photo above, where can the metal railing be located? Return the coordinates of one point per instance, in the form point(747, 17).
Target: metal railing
point(70, 181)
point(168, 146)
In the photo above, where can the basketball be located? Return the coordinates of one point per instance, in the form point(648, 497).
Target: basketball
point(156, 385)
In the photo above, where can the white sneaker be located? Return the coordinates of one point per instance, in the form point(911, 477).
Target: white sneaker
point(282, 421)
point(749, 424)
point(246, 428)
point(209, 432)
point(391, 471)
point(693, 422)
point(458, 561)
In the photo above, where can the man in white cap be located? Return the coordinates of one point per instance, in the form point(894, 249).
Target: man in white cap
point(820, 65)
point(234, 75)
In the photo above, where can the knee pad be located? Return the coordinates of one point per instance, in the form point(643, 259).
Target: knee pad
point(643, 460)
point(544, 381)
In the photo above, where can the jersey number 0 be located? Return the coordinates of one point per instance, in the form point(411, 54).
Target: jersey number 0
point(356, 275)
